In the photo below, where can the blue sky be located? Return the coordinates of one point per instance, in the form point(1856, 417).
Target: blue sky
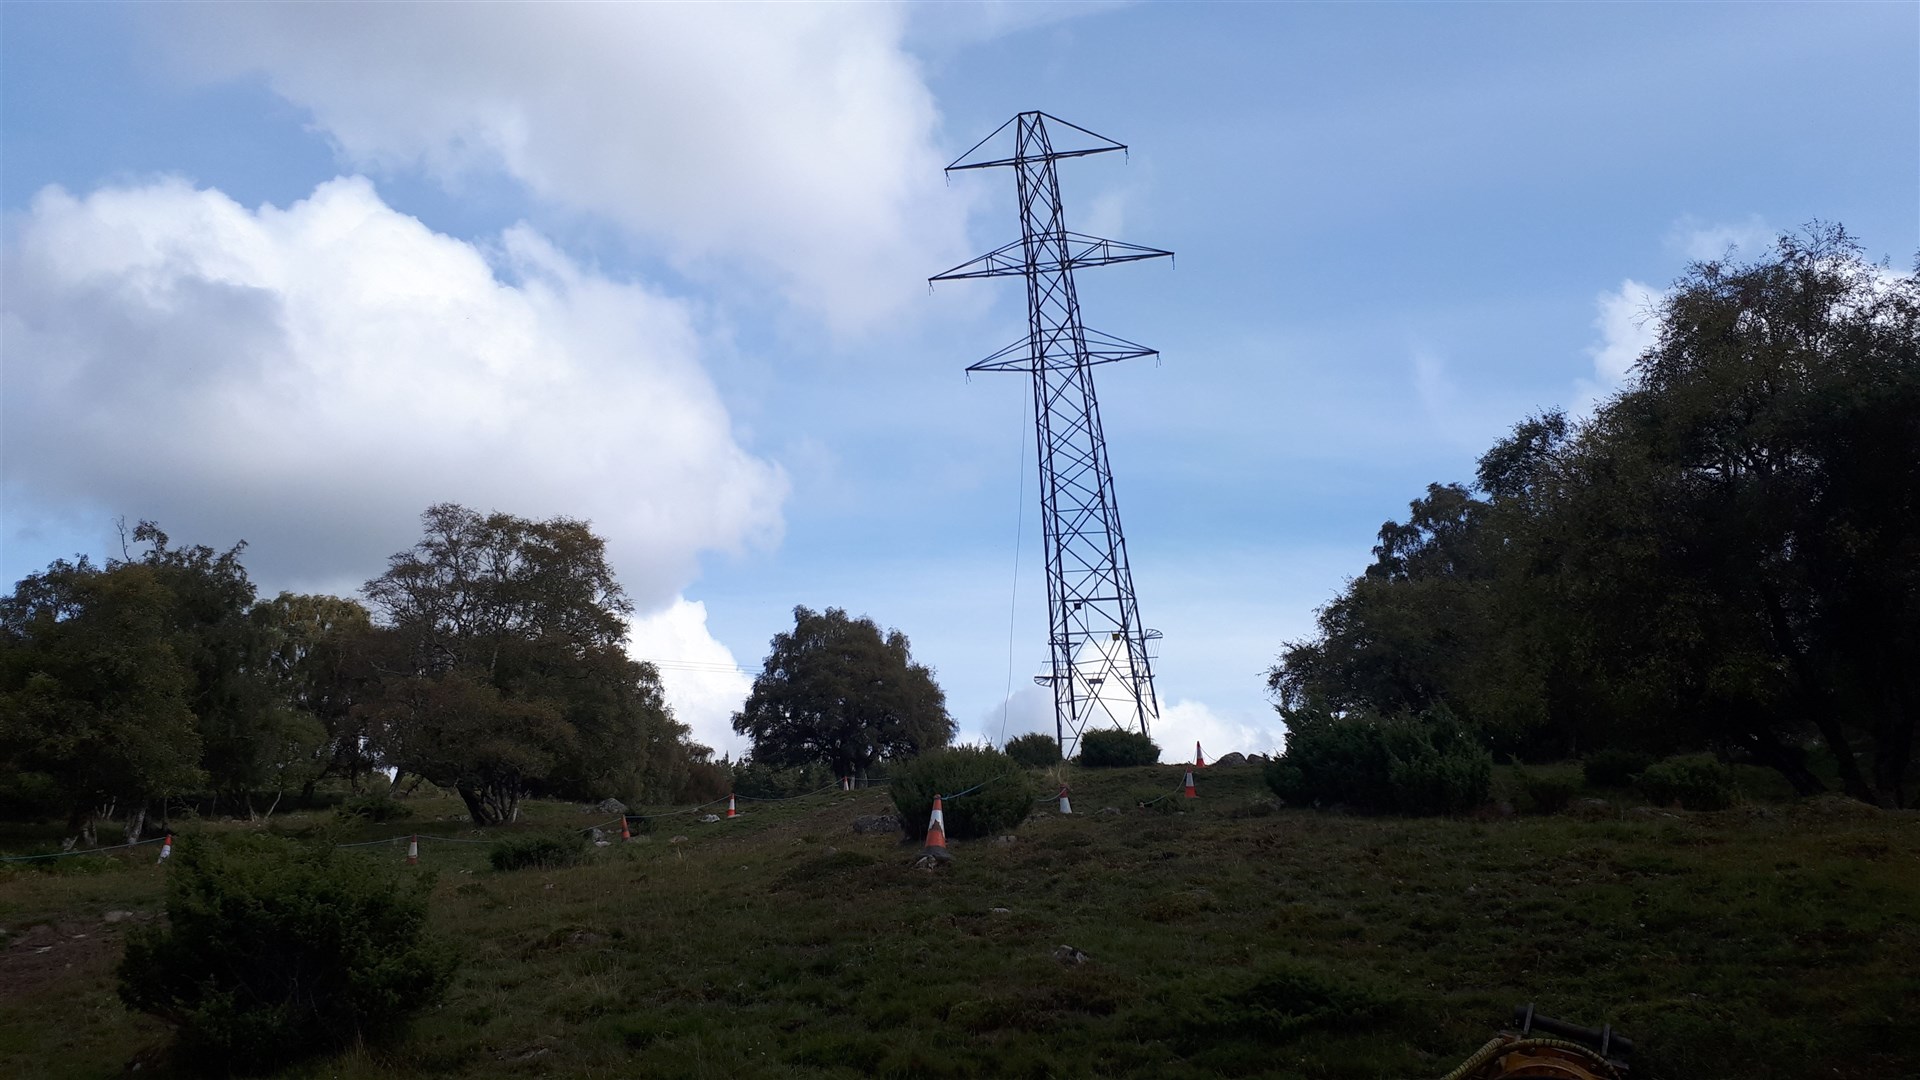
point(289, 273)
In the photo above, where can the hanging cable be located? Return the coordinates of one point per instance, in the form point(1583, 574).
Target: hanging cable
point(1013, 602)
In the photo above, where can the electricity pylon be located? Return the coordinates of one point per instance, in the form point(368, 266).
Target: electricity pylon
point(1101, 674)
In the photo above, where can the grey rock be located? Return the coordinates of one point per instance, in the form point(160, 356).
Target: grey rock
point(933, 858)
point(596, 836)
point(1005, 839)
point(1070, 956)
point(1590, 809)
point(116, 916)
point(1108, 811)
point(677, 840)
point(710, 819)
point(611, 806)
point(876, 823)
point(1235, 758)
point(1002, 911)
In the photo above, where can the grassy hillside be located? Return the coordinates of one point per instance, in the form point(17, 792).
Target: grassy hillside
point(1223, 938)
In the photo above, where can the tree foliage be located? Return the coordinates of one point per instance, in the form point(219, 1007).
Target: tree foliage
point(1726, 555)
point(836, 690)
point(505, 671)
point(94, 694)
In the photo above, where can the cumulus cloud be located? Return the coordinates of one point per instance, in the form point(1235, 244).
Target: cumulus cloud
point(311, 378)
point(703, 682)
point(1181, 724)
point(1184, 723)
point(1628, 322)
point(796, 141)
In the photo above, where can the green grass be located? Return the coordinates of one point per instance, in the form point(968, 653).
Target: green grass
point(1225, 939)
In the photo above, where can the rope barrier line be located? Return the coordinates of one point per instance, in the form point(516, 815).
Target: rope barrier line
point(78, 851)
point(1168, 795)
point(791, 798)
point(976, 787)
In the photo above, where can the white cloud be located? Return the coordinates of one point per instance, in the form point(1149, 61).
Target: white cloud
point(1181, 724)
point(1629, 325)
point(1704, 243)
point(311, 378)
point(703, 682)
point(1029, 708)
point(1184, 723)
point(795, 140)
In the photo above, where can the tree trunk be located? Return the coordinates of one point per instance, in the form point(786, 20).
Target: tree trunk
point(136, 822)
point(1788, 761)
point(490, 804)
point(80, 829)
point(1812, 705)
point(1893, 754)
point(477, 809)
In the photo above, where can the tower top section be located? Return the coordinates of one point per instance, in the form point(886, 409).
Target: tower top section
point(1075, 141)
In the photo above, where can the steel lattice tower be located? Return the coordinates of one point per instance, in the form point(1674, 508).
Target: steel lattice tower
point(1101, 673)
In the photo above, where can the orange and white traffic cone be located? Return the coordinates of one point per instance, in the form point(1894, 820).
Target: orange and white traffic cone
point(413, 851)
point(166, 849)
point(846, 783)
point(1065, 806)
point(731, 812)
point(937, 828)
point(1191, 793)
point(1199, 759)
point(625, 833)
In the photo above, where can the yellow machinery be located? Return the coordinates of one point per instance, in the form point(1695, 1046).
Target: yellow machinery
point(1547, 1049)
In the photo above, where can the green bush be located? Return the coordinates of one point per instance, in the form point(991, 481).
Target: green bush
point(1405, 764)
point(1004, 801)
point(547, 851)
point(1547, 793)
point(275, 950)
point(1035, 750)
point(1694, 783)
point(373, 808)
point(1614, 767)
point(1115, 749)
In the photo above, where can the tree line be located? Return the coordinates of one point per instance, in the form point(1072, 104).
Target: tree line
point(1724, 556)
point(487, 659)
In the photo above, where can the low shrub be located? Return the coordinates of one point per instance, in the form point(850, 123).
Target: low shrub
point(1406, 764)
point(1614, 767)
point(373, 809)
point(999, 793)
point(1035, 750)
point(548, 851)
point(1694, 783)
point(1547, 793)
point(1277, 1007)
point(276, 950)
point(1115, 749)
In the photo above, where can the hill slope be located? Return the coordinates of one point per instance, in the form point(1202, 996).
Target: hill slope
point(1223, 938)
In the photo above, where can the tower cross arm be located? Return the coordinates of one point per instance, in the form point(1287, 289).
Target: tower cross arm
point(1062, 251)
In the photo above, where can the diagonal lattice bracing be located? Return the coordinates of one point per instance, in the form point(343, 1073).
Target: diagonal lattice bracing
point(1101, 673)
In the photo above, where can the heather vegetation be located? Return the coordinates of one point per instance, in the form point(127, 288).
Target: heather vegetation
point(1229, 937)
